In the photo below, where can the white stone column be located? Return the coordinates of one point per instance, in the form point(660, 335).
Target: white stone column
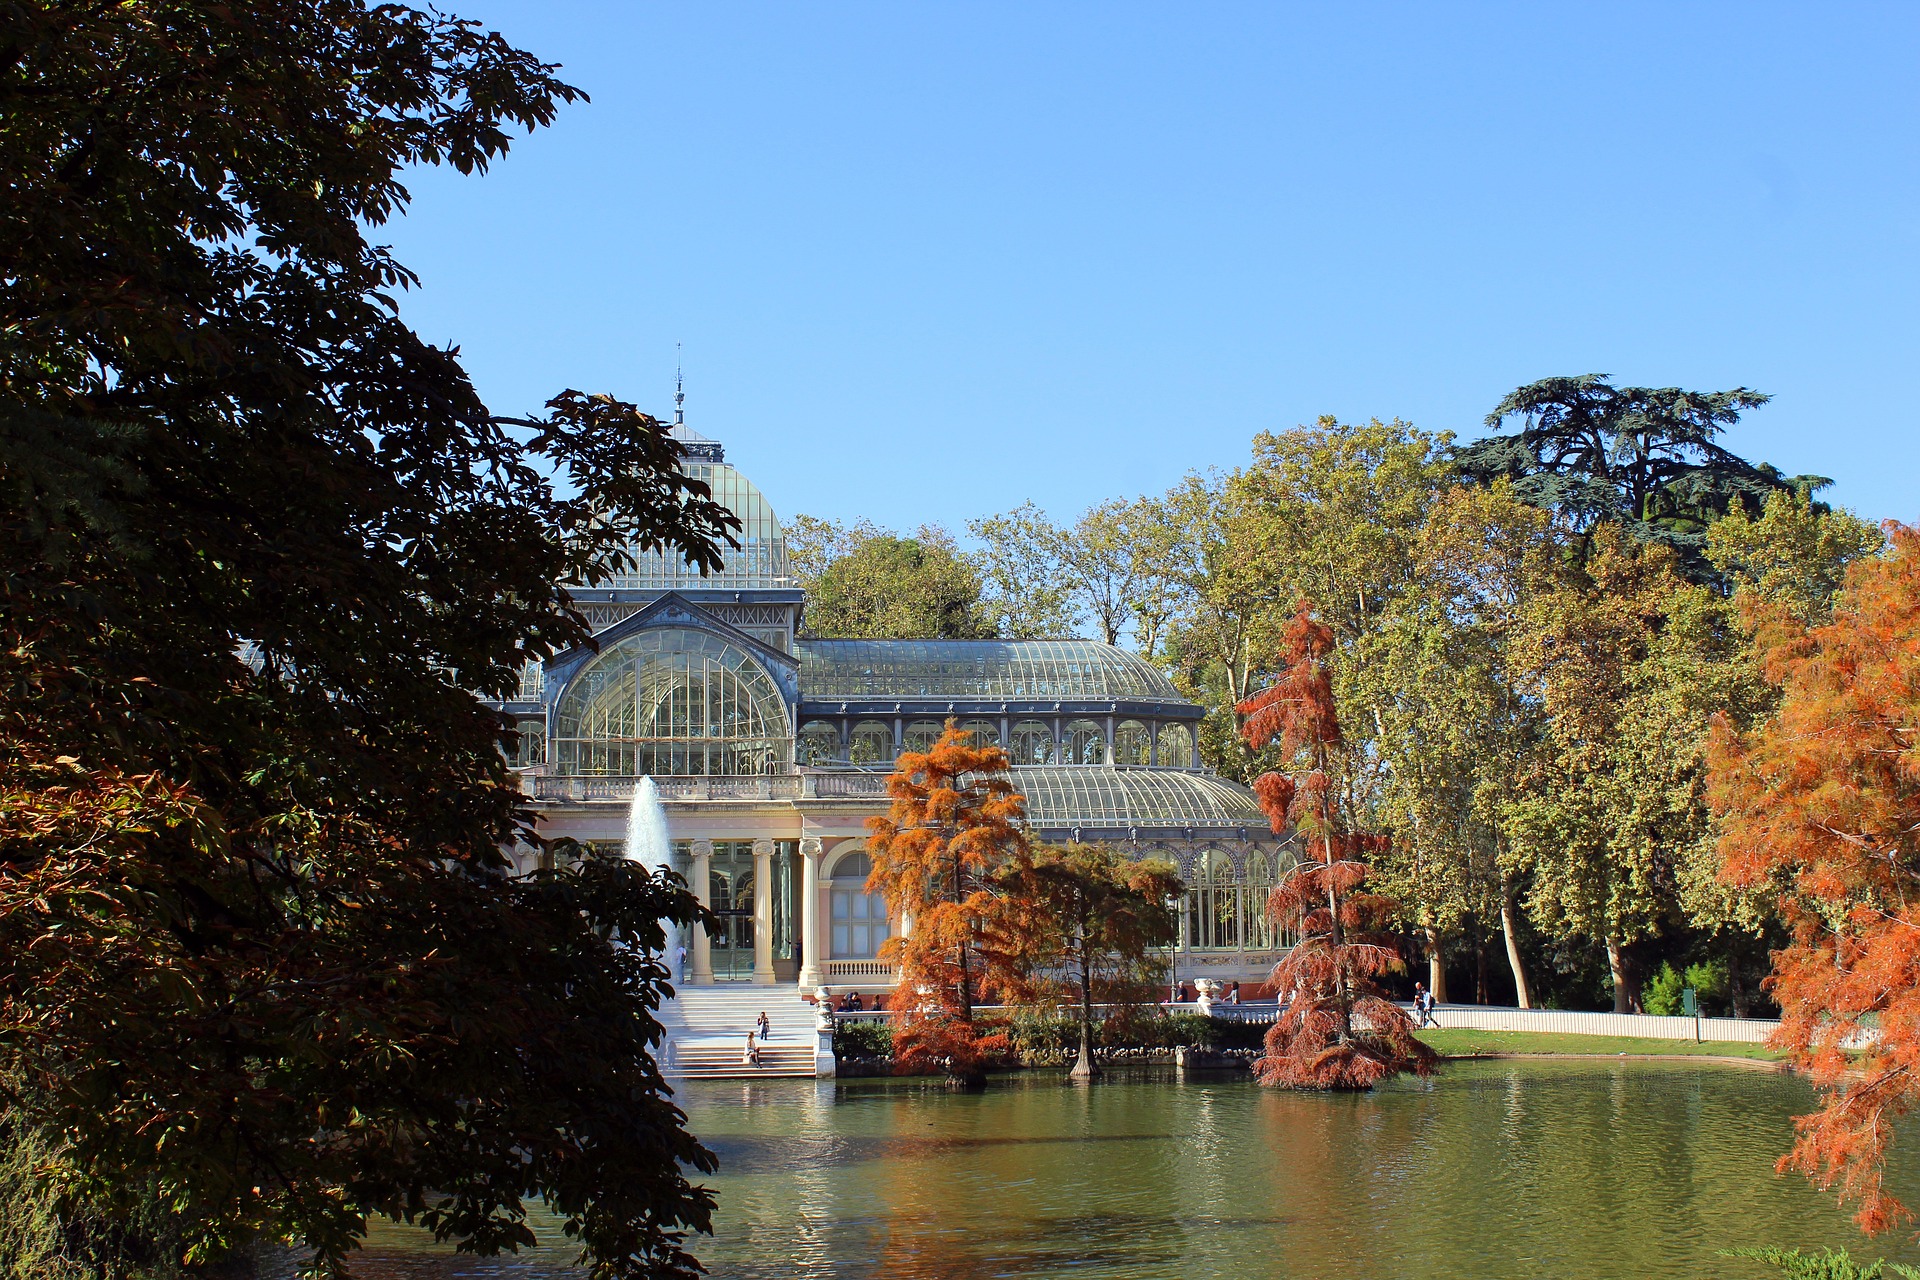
point(812, 974)
point(763, 913)
point(701, 873)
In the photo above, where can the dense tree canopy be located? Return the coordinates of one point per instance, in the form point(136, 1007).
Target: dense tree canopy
point(264, 960)
point(864, 582)
point(1825, 793)
point(1647, 459)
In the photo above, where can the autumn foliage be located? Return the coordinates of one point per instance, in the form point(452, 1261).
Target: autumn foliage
point(1339, 1030)
point(954, 823)
point(1826, 796)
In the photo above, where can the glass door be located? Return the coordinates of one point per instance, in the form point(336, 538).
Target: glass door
point(731, 885)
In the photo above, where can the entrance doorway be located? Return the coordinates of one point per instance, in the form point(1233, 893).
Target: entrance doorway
point(730, 883)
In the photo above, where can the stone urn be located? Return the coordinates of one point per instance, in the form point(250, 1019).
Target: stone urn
point(1207, 988)
point(823, 1011)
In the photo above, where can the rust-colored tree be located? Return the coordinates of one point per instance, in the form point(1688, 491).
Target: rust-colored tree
point(953, 825)
point(1088, 925)
point(1826, 796)
point(1339, 1030)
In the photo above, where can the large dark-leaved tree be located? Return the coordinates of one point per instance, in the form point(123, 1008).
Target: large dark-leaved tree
point(263, 964)
point(1646, 458)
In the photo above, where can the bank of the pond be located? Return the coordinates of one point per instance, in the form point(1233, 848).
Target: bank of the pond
point(1457, 1043)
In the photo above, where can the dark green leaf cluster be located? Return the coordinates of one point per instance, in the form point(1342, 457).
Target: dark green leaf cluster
point(1647, 459)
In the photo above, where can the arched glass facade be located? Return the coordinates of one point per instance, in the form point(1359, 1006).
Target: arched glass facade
point(1213, 904)
point(1032, 742)
point(1086, 743)
point(986, 733)
point(1176, 746)
point(819, 743)
point(1132, 743)
point(920, 735)
point(871, 743)
point(672, 702)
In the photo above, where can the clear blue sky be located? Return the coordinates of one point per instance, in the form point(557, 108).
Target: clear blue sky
point(931, 261)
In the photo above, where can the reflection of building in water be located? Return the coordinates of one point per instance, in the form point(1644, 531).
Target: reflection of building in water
point(770, 751)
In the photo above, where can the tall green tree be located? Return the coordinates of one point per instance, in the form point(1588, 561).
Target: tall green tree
point(1456, 731)
point(1107, 571)
point(865, 582)
point(263, 961)
point(1644, 458)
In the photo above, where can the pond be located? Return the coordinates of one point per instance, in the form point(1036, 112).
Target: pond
point(1566, 1169)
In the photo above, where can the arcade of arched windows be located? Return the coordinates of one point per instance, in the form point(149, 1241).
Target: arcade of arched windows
point(873, 742)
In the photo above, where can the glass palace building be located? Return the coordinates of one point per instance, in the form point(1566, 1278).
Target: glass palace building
point(770, 751)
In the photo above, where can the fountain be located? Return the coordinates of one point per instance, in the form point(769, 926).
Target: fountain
point(647, 845)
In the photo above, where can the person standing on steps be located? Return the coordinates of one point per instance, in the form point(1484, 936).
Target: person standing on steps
point(766, 1028)
point(680, 959)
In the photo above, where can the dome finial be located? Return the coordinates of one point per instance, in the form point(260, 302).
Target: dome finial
point(679, 390)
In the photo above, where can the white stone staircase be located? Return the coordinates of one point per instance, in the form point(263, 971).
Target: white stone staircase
point(707, 1033)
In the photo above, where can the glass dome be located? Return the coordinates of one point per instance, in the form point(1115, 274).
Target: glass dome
point(672, 701)
point(1062, 796)
point(759, 563)
point(1019, 669)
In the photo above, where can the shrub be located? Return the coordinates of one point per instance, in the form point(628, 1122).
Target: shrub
point(1708, 978)
point(856, 1040)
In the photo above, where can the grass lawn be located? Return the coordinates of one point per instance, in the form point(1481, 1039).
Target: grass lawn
point(1465, 1043)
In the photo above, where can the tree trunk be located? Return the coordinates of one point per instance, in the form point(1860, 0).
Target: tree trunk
point(1508, 919)
point(1084, 1067)
point(1626, 992)
point(1479, 967)
point(1436, 966)
point(1736, 989)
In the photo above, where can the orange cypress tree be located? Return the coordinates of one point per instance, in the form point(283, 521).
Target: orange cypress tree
point(954, 823)
point(1826, 796)
point(1339, 1030)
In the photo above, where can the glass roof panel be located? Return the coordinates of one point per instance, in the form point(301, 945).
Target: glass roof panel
point(1013, 669)
point(1069, 796)
point(760, 562)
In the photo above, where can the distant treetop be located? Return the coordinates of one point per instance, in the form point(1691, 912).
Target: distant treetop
point(1644, 458)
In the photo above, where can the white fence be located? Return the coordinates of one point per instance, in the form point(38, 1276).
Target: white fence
point(1484, 1018)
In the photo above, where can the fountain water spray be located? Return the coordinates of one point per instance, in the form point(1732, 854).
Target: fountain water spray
point(647, 844)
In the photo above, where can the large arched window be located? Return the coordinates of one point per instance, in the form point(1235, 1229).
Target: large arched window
point(920, 735)
point(1086, 743)
point(1262, 933)
point(1132, 743)
point(1032, 742)
point(859, 917)
point(1213, 904)
point(819, 743)
point(986, 733)
point(672, 701)
point(871, 743)
point(1176, 746)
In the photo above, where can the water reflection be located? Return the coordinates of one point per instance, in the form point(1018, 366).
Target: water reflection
point(1497, 1169)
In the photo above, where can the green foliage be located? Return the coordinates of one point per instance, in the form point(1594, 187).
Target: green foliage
point(862, 1039)
point(1708, 978)
point(263, 961)
point(864, 582)
point(1827, 1264)
point(48, 1234)
point(1644, 459)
